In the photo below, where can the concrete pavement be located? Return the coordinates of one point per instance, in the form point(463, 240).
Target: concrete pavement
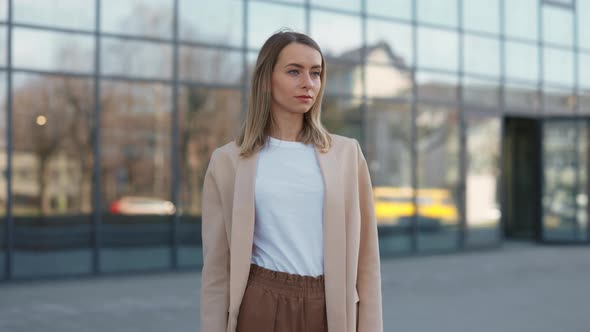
point(519, 287)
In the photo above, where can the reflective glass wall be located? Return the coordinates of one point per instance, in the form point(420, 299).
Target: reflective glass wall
point(114, 109)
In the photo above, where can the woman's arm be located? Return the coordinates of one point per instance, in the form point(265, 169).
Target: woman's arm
point(215, 274)
point(370, 317)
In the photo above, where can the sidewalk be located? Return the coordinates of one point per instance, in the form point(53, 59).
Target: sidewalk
point(517, 288)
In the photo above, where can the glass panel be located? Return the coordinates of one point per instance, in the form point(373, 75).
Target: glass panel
point(557, 26)
point(136, 176)
point(392, 8)
point(584, 81)
point(53, 164)
point(522, 97)
point(393, 41)
point(435, 86)
point(583, 187)
point(522, 61)
point(438, 177)
point(442, 43)
point(558, 66)
point(74, 14)
point(388, 82)
point(4, 10)
point(342, 116)
point(481, 93)
point(343, 78)
point(482, 56)
point(559, 181)
point(135, 58)
point(208, 119)
point(264, 19)
point(388, 152)
point(559, 101)
point(137, 17)
point(583, 12)
point(352, 5)
point(52, 51)
point(438, 12)
point(482, 203)
point(521, 18)
point(210, 65)
point(218, 22)
point(482, 15)
point(3, 169)
point(584, 70)
point(345, 44)
point(585, 101)
point(3, 41)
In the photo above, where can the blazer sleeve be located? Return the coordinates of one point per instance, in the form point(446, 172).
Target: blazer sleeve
point(215, 273)
point(370, 316)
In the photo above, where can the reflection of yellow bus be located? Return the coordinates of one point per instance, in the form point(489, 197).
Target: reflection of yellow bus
point(395, 203)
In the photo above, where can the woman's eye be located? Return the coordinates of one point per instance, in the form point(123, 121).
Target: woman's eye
point(317, 74)
point(294, 71)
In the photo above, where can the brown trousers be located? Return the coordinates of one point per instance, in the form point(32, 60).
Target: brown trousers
point(282, 302)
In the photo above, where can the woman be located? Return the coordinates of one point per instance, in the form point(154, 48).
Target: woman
point(289, 230)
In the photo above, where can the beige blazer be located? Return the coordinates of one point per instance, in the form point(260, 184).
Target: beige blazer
point(351, 253)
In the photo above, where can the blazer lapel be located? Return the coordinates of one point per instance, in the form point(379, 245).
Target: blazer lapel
point(242, 233)
point(334, 242)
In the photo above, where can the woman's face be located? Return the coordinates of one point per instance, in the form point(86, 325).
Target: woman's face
point(296, 79)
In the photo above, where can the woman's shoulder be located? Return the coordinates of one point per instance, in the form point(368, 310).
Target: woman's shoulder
point(342, 143)
point(226, 154)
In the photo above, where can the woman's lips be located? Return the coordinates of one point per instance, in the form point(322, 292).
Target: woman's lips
point(304, 98)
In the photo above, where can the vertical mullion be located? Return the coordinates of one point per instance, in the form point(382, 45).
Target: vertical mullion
point(175, 137)
point(502, 104)
point(96, 199)
point(9, 226)
point(414, 130)
point(363, 109)
point(462, 131)
point(246, 82)
point(541, 125)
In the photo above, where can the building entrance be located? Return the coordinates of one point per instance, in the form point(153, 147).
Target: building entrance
point(521, 179)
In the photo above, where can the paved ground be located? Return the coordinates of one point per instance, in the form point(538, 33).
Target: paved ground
point(517, 288)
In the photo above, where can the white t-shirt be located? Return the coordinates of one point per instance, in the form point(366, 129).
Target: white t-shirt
point(289, 196)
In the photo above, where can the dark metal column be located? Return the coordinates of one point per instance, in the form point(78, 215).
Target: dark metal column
point(175, 138)
point(414, 130)
point(461, 236)
point(9, 226)
point(96, 199)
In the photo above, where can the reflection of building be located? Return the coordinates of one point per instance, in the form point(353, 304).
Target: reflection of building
point(62, 178)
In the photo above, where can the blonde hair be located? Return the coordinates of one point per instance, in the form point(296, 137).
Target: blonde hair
point(259, 120)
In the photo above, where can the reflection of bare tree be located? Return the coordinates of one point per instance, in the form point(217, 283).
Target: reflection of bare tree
point(52, 119)
point(208, 119)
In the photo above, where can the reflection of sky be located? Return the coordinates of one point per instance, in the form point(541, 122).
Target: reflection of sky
point(352, 5)
point(336, 33)
point(3, 32)
point(77, 14)
point(390, 8)
point(41, 50)
point(220, 22)
point(3, 10)
point(264, 19)
point(138, 17)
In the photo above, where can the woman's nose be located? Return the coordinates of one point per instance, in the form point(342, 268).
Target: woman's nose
point(307, 81)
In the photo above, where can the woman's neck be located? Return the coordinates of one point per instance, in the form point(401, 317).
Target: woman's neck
point(287, 129)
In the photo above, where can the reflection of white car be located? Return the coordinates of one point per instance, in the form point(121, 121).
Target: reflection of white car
point(142, 205)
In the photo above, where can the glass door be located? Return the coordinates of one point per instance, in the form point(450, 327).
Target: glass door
point(565, 184)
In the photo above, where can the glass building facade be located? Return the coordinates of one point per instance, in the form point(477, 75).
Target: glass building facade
point(474, 117)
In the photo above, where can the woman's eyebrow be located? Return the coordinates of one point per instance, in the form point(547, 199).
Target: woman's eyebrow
point(301, 66)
